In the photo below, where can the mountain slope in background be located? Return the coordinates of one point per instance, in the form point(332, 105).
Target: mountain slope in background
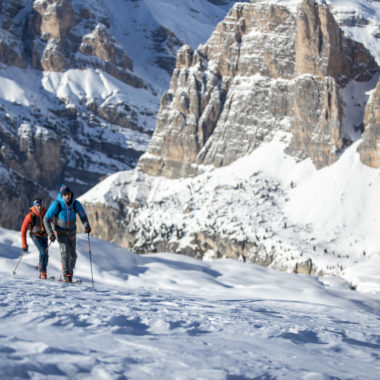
point(79, 94)
point(266, 68)
point(80, 87)
point(265, 208)
point(270, 205)
point(170, 316)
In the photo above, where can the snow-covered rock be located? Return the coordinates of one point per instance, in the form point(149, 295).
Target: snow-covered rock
point(370, 147)
point(89, 75)
point(270, 205)
point(265, 68)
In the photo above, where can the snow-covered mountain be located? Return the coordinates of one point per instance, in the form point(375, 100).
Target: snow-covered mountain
point(80, 85)
point(168, 316)
point(265, 208)
point(284, 127)
point(265, 69)
point(97, 115)
point(171, 316)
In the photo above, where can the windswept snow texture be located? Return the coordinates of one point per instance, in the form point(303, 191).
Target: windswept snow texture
point(173, 317)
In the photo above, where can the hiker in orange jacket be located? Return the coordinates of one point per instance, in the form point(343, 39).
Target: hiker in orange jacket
point(34, 222)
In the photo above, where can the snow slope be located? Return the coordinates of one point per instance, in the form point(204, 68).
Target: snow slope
point(173, 317)
point(287, 208)
point(198, 19)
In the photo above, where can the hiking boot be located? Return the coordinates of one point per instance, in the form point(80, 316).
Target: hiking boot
point(43, 275)
point(68, 278)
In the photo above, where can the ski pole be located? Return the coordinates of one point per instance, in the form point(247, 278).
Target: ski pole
point(19, 260)
point(89, 252)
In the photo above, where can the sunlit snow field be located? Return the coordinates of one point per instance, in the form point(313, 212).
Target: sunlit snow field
point(169, 316)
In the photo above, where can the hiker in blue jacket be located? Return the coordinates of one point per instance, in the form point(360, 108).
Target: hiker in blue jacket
point(63, 213)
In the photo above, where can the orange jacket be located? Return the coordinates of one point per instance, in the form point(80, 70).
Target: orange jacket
point(34, 222)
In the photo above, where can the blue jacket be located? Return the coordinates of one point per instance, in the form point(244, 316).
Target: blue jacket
point(64, 215)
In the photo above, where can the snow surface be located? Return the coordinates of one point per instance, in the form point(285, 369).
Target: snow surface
point(293, 210)
point(198, 19)
point(169, 316)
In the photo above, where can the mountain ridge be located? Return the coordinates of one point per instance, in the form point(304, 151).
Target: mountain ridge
point(241, 210)
point(83, 116)
point(75, 106)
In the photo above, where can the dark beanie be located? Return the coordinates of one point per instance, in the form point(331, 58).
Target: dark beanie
point(64, 189)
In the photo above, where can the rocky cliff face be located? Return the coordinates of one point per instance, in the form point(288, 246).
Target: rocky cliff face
point(11, 46)
point(30, 163)
point(59, 34)
point(369, 149)
point(44, 140)
point(267, 73)
point(50, 33)
point(72, 107)
point(265, 69)
point(17, 193)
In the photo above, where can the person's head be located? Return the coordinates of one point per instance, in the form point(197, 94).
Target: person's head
point(65, 192)
point(37, 203)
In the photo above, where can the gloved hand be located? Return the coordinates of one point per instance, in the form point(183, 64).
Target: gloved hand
point(25, 248)
point(87, 229)
point(52, 237)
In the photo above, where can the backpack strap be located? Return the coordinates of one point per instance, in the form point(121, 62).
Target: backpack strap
point(33, 220)
point(60, 207)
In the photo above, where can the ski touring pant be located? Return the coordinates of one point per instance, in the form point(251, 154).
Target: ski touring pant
point(42, 243)
point(67, 246)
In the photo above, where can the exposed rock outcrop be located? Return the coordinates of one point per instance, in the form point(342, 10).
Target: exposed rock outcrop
point(264, 69)
point(101, 44)
point(35, 153)
point(106, 222)
point(37, 146)
point(53, 58)
point(17, 193)
point(166, 43)
point(56, 18)
point(369, 149)
point(70, 52)
point(10, 53)
point(63, 39)
point(323, 50)
point(266, 72)
point(11, 47)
